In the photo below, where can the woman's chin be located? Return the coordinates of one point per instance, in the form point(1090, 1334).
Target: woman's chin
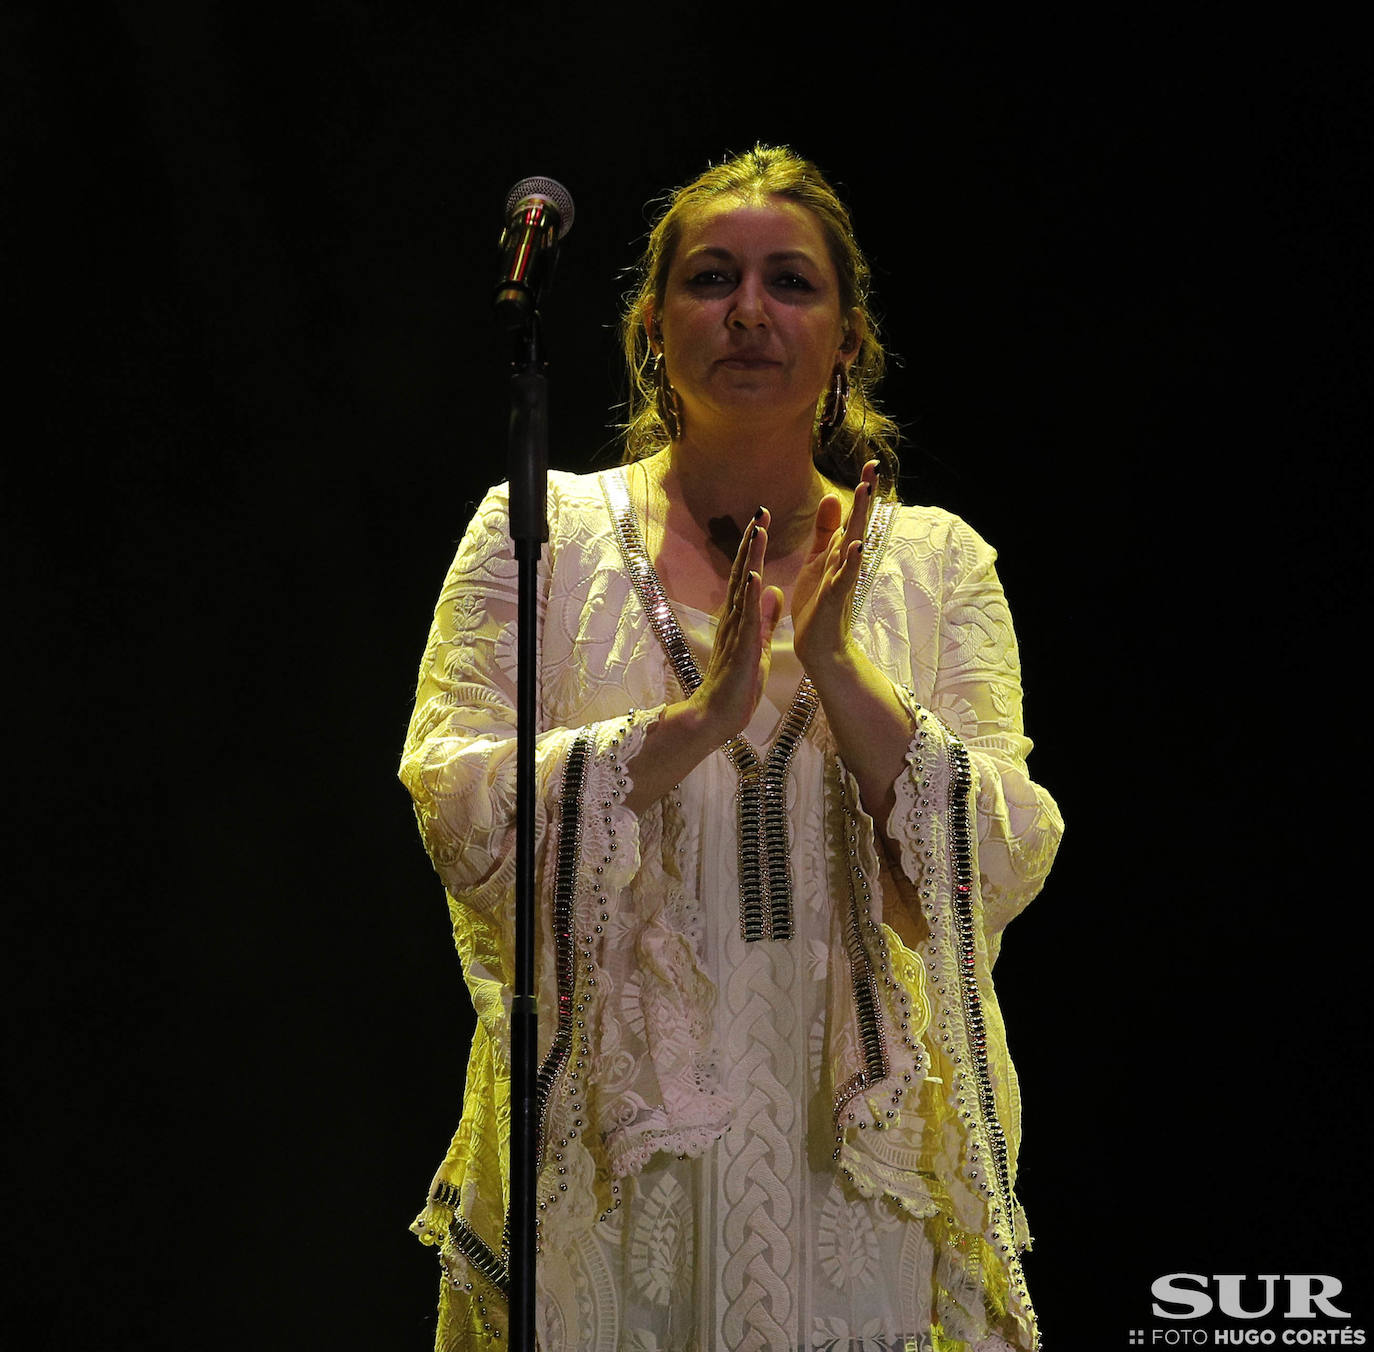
point(755, 406)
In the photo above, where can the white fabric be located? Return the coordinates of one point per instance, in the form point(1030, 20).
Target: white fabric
point(699, 1205)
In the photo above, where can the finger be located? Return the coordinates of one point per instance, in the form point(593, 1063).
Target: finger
point(857, 523)
point(828, 517)
point(844, 553)
point(834, 554)
point(758, 545)
point(751, 620)
point(844, 576)
point(764, 611)
point(770, 605)
point(739, 580)
point(846, 584)
point(752, 564)
point(738, 564)
point(752, 547)
point(753, 596)
point(868, 479)
point(725, 646)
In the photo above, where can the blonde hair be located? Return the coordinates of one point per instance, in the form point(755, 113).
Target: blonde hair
point(766, 171)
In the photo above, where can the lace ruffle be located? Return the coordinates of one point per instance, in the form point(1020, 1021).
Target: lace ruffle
point(641, 1071)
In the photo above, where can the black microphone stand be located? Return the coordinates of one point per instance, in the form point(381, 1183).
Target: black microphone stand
point(528, 448)
point(539, 212)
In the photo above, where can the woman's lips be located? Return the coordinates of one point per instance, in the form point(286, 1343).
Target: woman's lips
point(746, 363)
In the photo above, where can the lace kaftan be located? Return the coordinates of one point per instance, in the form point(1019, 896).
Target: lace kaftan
point(789, 1143)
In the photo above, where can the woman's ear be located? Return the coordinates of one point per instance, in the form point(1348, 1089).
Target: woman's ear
point(652, 331)
point(854, 330)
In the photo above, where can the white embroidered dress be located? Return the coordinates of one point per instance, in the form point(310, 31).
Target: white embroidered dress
point(800, 1143)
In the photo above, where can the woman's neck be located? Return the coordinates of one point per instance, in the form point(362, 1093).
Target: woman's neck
point(718, 484)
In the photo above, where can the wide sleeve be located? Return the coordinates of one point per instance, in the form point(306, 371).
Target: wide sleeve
point(976, 837)
point(459, 761)
point(974, 691)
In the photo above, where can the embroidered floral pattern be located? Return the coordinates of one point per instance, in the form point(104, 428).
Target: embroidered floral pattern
point(846, 1242)
point(688, 1170)
point(661, 1240)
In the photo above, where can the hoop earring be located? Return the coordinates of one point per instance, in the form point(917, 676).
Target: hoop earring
point(836, 403)
point(666, 401)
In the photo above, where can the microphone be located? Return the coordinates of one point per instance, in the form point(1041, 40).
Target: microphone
point(539, 212)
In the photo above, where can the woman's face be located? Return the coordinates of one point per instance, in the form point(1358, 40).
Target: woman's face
point(750, 322)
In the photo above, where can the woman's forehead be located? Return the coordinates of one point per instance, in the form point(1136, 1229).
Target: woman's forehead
point(767, 225)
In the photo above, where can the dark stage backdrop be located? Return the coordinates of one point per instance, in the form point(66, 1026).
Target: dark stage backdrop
point(1123, 268)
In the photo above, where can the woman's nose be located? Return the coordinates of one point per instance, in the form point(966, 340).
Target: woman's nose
point(749, 310)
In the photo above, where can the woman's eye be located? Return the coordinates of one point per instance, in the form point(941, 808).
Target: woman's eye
point(793, 281)
point(710, 277)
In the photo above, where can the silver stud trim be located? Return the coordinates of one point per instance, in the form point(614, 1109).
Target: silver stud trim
point(965, 922)
point(479, 1255)
point(765, 870)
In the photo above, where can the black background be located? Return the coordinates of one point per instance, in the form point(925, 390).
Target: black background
point(1123, 264)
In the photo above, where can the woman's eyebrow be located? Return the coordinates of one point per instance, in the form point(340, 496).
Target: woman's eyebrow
point(780, 256)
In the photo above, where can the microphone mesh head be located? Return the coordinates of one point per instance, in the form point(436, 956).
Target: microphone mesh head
point(549, 190)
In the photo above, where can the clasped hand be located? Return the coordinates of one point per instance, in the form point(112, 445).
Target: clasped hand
point(737, 671)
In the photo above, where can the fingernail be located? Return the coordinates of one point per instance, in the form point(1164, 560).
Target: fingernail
point(753, 531)
point(758, 512)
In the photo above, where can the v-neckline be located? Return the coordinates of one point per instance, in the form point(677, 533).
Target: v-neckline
point(657, 604)
point(764, 849)
point(658, 608)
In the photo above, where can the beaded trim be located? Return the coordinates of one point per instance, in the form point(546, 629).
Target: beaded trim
point(961, 855)
point(965, 922)
point(466, 1240)
point(867, 1006)
point(564, 886)
point(765, 869)
point(869, 964)
point(479, 1254)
